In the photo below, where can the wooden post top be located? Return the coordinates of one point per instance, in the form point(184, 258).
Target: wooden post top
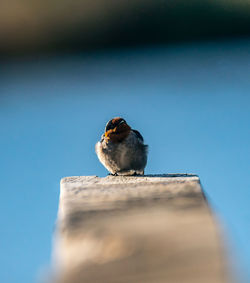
point(152, 228)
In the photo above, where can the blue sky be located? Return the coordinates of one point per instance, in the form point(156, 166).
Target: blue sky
point(190, 102)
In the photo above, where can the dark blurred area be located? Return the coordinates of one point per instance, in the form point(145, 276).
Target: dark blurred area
point(32, 27)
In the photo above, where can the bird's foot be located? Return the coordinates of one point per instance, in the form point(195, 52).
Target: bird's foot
point(110, 174)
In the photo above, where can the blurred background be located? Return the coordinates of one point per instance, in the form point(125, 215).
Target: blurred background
point(178, 71)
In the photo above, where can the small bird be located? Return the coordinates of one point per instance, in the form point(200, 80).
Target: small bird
point(121, 149)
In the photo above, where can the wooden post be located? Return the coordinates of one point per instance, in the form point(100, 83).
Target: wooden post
point(154, 228)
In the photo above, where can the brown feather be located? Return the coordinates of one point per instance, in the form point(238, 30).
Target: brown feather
point(119, 133)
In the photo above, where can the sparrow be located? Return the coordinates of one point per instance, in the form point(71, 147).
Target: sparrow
point(121, 149)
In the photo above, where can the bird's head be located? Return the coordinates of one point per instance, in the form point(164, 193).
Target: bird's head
point(117, 130)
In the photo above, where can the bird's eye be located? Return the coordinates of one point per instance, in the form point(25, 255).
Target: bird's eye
point(114, 123)
point(121, 122)
point(109, 126)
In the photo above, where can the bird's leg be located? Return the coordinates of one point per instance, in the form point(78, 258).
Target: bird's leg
point(110, 174)
point(127, 173)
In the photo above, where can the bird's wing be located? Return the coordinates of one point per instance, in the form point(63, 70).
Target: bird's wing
point(139, 136)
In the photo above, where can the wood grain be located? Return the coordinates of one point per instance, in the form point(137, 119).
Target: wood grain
point(155, 228)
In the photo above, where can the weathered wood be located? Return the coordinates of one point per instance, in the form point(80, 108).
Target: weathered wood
point(155, 228)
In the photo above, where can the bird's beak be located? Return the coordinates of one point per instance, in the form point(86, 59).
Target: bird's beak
point(108, 133)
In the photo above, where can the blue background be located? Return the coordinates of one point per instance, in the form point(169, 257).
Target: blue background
point(190, 102)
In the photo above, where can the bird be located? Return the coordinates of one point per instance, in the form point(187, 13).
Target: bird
point(121, 149)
